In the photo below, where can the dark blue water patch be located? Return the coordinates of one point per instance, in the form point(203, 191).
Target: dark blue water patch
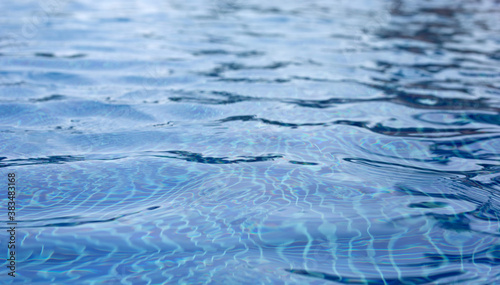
point(52, 55)
point(40, 160)
point(428, 205)
point(228, 98)
point(218, 71)
point(49, 98)
point(375, 281)
point(243, 54)
point(199, 158)
point(493, 119)
point(377, 128)
point(481, 148)
point(303, 162)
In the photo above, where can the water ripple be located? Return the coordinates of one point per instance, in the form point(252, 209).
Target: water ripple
point(252, 142)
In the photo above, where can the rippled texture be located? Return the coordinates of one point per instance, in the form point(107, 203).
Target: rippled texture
point(252, 142)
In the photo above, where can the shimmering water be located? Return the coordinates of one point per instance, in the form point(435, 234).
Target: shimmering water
point(252, 142)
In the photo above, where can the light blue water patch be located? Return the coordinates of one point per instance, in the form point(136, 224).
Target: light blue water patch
point(58, 78)
point(78, 109)
point(15, 91)
point(26, 115)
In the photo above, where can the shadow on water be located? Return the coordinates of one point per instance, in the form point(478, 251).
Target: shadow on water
point(392, 281)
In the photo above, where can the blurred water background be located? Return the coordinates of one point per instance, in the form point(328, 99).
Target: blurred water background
point(252, 142)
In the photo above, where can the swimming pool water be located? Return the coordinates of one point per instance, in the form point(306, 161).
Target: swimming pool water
point(251, 142)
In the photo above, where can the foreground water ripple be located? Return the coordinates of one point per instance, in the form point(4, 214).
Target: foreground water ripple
point(252, 142)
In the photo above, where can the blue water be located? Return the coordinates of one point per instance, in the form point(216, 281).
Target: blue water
point(251, 142)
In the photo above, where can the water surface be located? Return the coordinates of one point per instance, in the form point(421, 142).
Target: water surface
point(252, 142)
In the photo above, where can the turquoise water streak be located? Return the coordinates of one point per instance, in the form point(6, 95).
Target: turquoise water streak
point(251, 142)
